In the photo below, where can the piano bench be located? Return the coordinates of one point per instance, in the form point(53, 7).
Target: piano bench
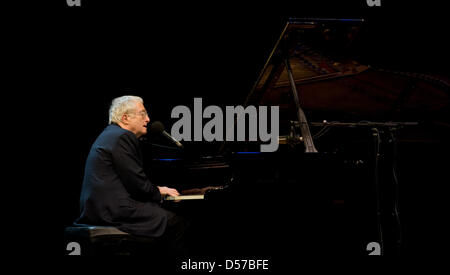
point(105, 240)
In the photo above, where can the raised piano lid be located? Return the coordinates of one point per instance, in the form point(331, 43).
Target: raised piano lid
point(333, 85)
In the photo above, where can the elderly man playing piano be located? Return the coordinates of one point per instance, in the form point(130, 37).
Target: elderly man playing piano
point(116, 191)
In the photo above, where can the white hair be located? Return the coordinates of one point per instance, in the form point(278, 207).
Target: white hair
point(122, 105)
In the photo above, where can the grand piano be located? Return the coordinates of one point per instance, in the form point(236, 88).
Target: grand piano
point(350, 134)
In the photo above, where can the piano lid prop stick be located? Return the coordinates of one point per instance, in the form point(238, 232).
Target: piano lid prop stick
point(309, 144)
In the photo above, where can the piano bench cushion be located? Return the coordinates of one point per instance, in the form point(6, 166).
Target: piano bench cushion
point(95, 233)
point(107, 240)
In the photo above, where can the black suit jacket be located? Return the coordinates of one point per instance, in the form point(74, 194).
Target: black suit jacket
point(116, 191)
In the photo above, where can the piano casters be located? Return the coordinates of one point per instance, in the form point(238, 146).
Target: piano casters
point(306, 134)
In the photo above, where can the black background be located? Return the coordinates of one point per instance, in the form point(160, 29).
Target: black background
point(66, 64)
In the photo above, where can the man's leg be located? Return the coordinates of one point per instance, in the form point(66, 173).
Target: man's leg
point(174, 238)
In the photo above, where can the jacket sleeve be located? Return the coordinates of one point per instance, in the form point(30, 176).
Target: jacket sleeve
point(128, 165)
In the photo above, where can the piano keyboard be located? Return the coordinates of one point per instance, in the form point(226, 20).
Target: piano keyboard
point(184, 197)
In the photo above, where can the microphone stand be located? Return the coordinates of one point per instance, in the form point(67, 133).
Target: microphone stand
point(377, 129)
point(376, 143)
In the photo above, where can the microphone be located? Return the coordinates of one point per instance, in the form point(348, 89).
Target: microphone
point(158, 128)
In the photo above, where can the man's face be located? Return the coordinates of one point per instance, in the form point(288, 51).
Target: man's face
point(138, 120)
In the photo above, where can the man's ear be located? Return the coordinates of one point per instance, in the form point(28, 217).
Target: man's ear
point(124, 119)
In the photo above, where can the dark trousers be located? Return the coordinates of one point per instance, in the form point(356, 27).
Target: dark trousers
point(174, 240)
